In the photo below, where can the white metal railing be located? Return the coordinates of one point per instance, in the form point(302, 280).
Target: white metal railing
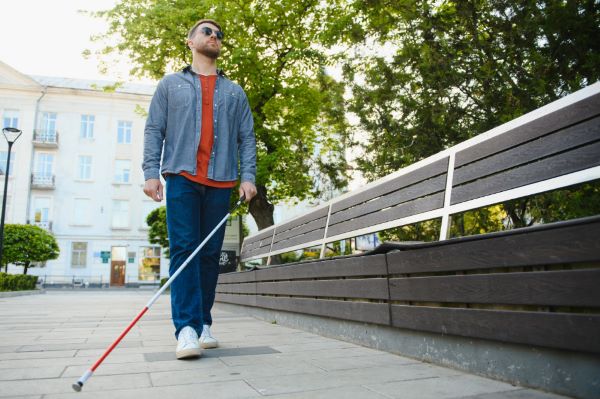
point(50, 280)
point(46, 225)
point(42, 180)
point(45, 137)
point(448, 209)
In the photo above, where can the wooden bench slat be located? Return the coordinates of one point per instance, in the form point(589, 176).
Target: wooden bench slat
point(558, 119)
point(419, 190)
point(331, 268)
point(548, 288)
point(314, 215)
point(256, 252)
point(409, 208)
point(301, 239)
point(426, 172)
point(577, 332)
point(299, 230)
point(261, 235)
point(567, 162)
point(373, 288)
point(240, 288)
point(237, 277)
point(557, 142)
point(247, 300)
point(377, 313)
point(548, 246)
point(257, 247)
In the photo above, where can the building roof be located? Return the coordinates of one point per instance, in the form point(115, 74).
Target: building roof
point(95, 85)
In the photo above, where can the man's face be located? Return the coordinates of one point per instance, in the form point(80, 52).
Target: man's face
point(204, 43)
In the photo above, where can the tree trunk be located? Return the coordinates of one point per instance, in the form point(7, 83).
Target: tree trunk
point(262, 212)
point(261, 209)
point(25, 266)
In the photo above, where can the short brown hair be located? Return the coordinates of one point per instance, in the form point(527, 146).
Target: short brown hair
point(210, 21)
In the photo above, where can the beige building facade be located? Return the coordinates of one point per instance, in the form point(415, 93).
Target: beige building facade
point(76, 172)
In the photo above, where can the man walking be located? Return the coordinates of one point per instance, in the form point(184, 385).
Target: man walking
point(201, 124)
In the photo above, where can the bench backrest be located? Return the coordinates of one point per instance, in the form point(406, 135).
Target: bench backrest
point(552, 147)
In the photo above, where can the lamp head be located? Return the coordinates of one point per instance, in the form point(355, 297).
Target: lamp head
point(11, 134)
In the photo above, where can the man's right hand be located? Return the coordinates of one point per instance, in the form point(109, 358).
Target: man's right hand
point(153, 188)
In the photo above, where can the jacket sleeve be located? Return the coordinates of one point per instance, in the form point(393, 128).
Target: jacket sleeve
point(247, 143)
point(154, 132)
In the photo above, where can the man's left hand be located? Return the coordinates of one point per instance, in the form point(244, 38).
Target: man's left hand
point(248, 189)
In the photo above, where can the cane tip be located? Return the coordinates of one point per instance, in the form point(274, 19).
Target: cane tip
point(77, 386)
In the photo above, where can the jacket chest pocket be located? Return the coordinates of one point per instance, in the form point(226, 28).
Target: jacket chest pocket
point(230, 103)
point(180, 96)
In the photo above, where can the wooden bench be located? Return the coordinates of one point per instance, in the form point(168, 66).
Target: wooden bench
point(395, 288)
point(534, 287)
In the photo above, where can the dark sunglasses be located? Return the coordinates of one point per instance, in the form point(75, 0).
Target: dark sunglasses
point(208, 31)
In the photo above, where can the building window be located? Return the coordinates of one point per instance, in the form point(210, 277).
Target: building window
point(124, 132)
point(81, 212)
point(10, 118)
point(49, 126)
point(120, 214)
point(87, 127)
point(78, 254)
point(3, 156)
point(85, 167)
point(122, 171)
point(43, 170)
point(149, 264)
point(41, 212)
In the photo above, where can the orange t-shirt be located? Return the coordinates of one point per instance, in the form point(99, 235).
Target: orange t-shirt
point(206, 137)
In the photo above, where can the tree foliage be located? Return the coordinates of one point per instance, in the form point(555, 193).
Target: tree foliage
point(158, 233)
point(565, 204)
point(25, 244)
point(445, 71)
point(274, 51)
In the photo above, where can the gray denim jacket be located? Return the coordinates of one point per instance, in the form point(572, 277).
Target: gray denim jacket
point(174, 121)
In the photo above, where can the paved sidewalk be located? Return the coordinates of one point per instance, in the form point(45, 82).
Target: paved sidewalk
point(47, 341)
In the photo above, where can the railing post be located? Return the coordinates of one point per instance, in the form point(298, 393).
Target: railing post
point(271, 247)
point(447, 197)
point(324, 244)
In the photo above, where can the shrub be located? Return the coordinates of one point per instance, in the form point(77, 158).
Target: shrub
point(17, 282)
point(163, 281)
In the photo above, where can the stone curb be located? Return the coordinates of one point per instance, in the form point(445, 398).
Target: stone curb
point(9, 294)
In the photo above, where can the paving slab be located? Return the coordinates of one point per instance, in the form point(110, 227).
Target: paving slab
point(442, 387)
point(53, 338)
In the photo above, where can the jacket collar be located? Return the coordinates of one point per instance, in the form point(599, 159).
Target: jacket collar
point(188, 69)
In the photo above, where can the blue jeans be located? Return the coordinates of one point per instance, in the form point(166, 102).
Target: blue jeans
point(193, 211)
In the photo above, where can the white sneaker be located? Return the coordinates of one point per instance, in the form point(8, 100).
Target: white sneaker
point(187, 344)
point(207, 341)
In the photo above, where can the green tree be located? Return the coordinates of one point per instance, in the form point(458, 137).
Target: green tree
point(568, 203)
point(157, 233)
point(25, 244)
point(445, 71)
point(274, 50)
point(428, 230)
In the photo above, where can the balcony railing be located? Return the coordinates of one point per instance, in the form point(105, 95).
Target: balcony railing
point(45, 138)
point(47, 225)
point(43, 182)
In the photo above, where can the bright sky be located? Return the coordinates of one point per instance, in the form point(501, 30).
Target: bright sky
point(47, 37)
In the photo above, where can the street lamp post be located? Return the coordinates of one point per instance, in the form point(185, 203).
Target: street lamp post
point(11, 134)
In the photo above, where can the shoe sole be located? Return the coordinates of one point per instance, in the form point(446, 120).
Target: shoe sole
point(188, 353)
point(209, 345)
